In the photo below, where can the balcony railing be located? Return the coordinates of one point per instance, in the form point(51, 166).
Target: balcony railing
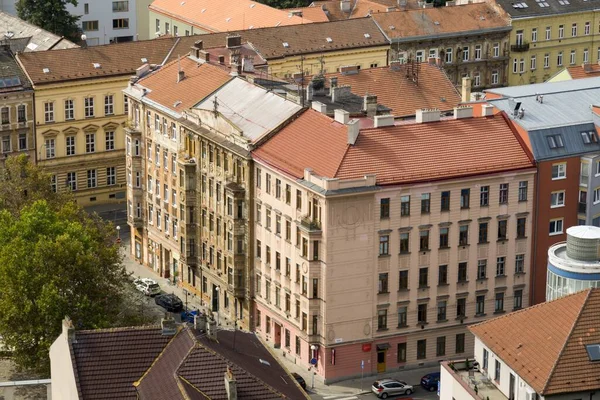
point(310, 224)
point(519, 47)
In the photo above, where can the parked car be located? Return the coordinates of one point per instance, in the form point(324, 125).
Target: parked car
point(169, 302)
point(430, 381)
point(300, 380)
point(188, 316)
point(147, 286)
point(391, 387)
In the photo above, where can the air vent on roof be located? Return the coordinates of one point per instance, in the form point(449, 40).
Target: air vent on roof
point(9, 34)
point(46, 70)
point(593, 351)
point(286, 44)
point(392, 27)
point(227, 19)
point(264, 362)
point(329, 40)
point(144, 60)
point(436, 22)
point(183, 3)
point(177, 103)
point(368, 36)
point(202, 11)
point(32, 46)
point(252, 5)
point(96, 65)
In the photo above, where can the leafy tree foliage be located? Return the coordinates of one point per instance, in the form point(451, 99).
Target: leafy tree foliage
point(51, 15)
point(286, 3)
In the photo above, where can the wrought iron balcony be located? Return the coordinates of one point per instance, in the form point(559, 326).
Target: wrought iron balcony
point(519, 47)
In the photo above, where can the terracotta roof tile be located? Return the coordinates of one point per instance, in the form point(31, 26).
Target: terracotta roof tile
point(301, 39)
point(199, 82)
point(396, 154)
point(396, 89)
point(546, 344)
point(313, 14)
point(358, 9)
point(225, 15)
point(440, 20)
point(579, 72)
point(113, 59)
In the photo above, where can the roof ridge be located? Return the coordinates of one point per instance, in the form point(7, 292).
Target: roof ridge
point(587, 297)
point(139, 381)
point(119, 329)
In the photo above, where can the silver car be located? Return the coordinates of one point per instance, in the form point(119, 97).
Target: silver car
point(147, 286)
point(391, 387)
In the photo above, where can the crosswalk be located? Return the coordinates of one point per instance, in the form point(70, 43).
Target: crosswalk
point(340, 397)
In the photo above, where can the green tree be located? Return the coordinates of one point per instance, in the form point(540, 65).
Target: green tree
point(286, 3)
point(51, 15)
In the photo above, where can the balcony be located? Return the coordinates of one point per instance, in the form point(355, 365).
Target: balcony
point(519, 47)
point(581, 208)
point(479, 384)
point(310, 225)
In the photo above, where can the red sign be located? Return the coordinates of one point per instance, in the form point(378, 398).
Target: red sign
point(366, 347)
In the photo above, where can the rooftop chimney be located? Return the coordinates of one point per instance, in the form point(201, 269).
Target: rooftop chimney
point(342, 116)
point(198, 45)
point(320, 107)
point(168, 326)
point(203, 55)
point(384, 120)
point(428, 115)
point(68, 330)
point(230, 384)
point(211, 329)
point(310, 91)
point(143, 70)
point(461, 112)
point(332, 84)
point(353, 131)
point(487, 110)
point(180, 75)
point(370, 105)
point(466, 89)
point(340, 93)
point(248, 64)
point(345, 5)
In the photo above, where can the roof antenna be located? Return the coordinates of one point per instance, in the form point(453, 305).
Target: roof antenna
point(180, 73)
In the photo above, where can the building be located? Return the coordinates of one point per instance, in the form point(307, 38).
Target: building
point(565, 145)
point(166, 362)
point(24, 37)
point(347, 9)
point(574, 265)
point(587, 70)
point(8, 6)
point(548, 35)
point(184, 18)
point(312, 48)
point(16, 109)
point(467, 41)
point(383, 244)
point(107, 21)
point(529, 354)
point(80, 114)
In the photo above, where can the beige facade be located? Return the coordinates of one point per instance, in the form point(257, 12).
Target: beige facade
point(387, 276)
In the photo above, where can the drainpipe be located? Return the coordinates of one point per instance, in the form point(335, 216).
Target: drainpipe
point(535, 236)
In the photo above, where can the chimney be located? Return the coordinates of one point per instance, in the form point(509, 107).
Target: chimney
point(230, 384)
point(342, 116)
point(310, 91)
point(340, 93)
point(248, 64)
point(320, 107)
point(180, 75)
point(143, 70)
point(461, 112)
point(168, 326)
point(370, 105)
point(487, 110)
point(466, 89)
point(345, 5)
point(353, 130)
point(222, 59)
point(428, 115)
point(332, 84)
point(200, 322)
point(198, 45)
point(211, 329)
point(384, 120)
point(68, 330)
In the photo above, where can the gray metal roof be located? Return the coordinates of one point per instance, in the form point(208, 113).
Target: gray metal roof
point(253, 109)
point(572, 140)
point(531, 8)
point(546, 87)
point(17, 31)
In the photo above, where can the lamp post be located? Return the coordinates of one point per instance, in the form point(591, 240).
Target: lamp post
point(217, 302)
point(118, 234)
point(313, 348)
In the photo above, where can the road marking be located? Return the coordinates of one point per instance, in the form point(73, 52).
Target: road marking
point(337, 397)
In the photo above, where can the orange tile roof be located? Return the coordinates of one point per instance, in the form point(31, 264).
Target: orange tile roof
point(410, 24)
point(358, 9)
point(225, 15)
point(545, 344)
point(313, 14)
point(579, 71)
point(394, 90)
point(199, 82)
point(78, 63)
point(400, 154)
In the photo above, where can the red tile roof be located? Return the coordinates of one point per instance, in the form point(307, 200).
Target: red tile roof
point(358, 9)
point(546, 344)
point(396, 89)
point(400, 154)
point(199, 81)
point(313, 14)
point(579, 72)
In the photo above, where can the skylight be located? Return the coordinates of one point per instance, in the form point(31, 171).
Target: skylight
point(286, 44)
point(96, 65)
point(144, 60)
point(589, 137)
point(368, 36)
point(593, 351)
point(555, 141)
point(329, 40)
point(10, 82)
point(46, 70)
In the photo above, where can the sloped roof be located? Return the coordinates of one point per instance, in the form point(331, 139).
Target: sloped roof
point(25, 37)
point(225, 15)
point(530, 8)
point(440, 21)
point(313, 14)
point(114, 60)
point(399, 154)
point(9, 71)
point(395, 88)
point(358, 9)
point(587, 71)
point(546, 344)
point(199, 81)
point(571, 138)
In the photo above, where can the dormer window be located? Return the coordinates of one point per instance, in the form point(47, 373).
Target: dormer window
point(555, 141)
point(589, 137)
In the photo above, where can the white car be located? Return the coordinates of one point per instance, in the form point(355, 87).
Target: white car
point(147, 286)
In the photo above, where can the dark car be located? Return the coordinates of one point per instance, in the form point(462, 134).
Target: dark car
point(430, 381)
point(300, 380)
point(169, 302)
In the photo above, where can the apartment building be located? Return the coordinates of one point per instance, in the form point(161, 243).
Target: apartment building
point(548, 35)
point(466, 41)
point(80, 114)
point(564, 142)
point(383, 244)
point(23, 37)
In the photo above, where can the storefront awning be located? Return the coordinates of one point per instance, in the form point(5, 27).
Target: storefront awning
point(383, 346)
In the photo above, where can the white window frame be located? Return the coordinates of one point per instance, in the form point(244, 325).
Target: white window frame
point(111, 176)
point(556, 226)
point(465, 53)
point(548, 33)
point(533, 63)
point(49, 111)
point(88, 105)
point(448, 56)
point(561, 171)
point(561, 31)
point(534, 35)
point(50, 145)
point(596, 194)
point(72, 180)
point(573, 57)
point(92, 180)
point(71, 148)
point(420, 56)
point(574, 29)
point(586, 29)
point(478, 52)
point(547, 60)
point(495, 77)
point(109, 140)
point(109, 104)
point(69, 109)
point(90, 143)
point(557, 199)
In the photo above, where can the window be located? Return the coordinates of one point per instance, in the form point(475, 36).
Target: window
point(72, 180)
point(559, 171)
point(465, 53)
point(440, 348)
point(557, 199)
point(445, 204)
point(402, 311)
point(49, 112)
point(515, 66)
point(70, 145)
point(503, 194)
point(120, 6)
point(462, 272)
point(423, 277)
point(278, 188)
point(460, 343)
point(6, 147)
point(401, 353)
point(5, 115)
point(109, 107)
point(556, 226)
point(548, 33)
point(480, 305)
point(21, 113)
point(586, 28)
point(521, 226)
point(383, 283)
point(422, 313)
point(461, 307)
point(403, 280)
point(421, 349)
point(299, 199)
point(110, 140)
point(559, 60)
point(448, 56)
point(288, 194)
point(384, 208)
point(425, 203)
point(520, 35)
point(86, 8)
point(561, 31)
point(463, 235)
point(89, 25)
point(420, 55)
point(497, 370)
point(423, 240)
point(441, 315)
point(499, 303)
point(88, 106)
point(444, 238)
point(534, 34)
point(91, 178)
point(404, 245)
point(586, 56)
point(574, 30)
point(482, 269)
point(478, 52)
point(589, 137)
point(278, 225)
point(486, 357)
point(547, 60)
point(533, 63)
point(522, 65)
point(500, 266)
point(443, 275)
point(496, 50)
point(121, 23)
point(404, 205)
point(384, 245)
point(90, 142)
point(381, 319)
point(465, 195)
point(518, 300)
point(523, 191)
point(476, 79)
point(22, 141)
point(573, 57)
point(484, 196)
point(596, 195)
point(519, 263)
point(483, 232)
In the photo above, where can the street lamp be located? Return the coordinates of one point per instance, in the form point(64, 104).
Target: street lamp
point(217, 302)
point(313, 348)
point(118, 234)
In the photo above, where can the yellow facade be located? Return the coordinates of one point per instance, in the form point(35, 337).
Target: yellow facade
point(543, 46)
point(83, 149)
point(171, 26)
